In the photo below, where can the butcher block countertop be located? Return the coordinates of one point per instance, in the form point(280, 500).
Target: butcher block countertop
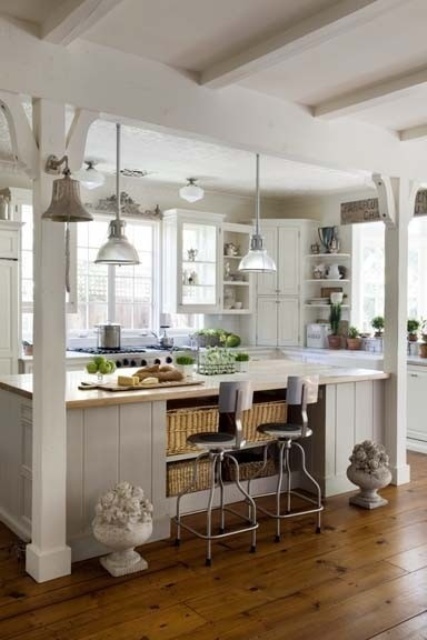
point(264, 374)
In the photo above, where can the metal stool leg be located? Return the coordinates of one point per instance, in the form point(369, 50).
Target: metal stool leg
point(193, 484)
point(220, 481)
point(315, 483)
point(215, 468)
point(248, 498)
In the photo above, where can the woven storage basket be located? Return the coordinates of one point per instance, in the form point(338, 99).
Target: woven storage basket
point(180, 475)
point(183, 422)
point(249, 470)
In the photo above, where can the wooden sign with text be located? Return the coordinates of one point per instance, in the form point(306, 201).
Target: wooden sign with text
point(367, 210)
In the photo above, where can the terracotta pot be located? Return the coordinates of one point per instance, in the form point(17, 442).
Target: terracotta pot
point(354, 344)
point(334, 342)
point(423, 349)
point(412, 337)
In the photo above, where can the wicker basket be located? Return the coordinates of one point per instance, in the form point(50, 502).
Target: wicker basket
point(183, 422)
point(180, 475)
point(248, 470)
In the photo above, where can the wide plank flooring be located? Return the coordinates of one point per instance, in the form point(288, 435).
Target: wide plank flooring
point(364, 577)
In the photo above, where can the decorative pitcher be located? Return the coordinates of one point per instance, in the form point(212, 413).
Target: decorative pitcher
point(328, 236)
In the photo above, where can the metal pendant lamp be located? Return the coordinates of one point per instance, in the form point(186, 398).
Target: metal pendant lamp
point(117, 249)
point(257, 259)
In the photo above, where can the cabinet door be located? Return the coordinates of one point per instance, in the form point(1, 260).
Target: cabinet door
point(288, 265)
point(9, 315)
point(288, 321)
point(199, 268)
point(266, 322)
point(417, 388)
point(267, 282)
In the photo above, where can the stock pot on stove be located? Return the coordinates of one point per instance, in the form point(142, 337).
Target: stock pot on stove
point(108, 336)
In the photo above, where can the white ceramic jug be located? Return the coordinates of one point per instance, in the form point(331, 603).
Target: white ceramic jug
point(334, 272)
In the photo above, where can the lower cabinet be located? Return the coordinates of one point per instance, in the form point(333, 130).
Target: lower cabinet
point(277, 321)
point(417, 387)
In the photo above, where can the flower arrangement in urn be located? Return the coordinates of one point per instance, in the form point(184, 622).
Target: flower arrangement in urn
point(369, 470)
point(123, 520)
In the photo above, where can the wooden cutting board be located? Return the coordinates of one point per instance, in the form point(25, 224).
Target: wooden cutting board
point(112, 386)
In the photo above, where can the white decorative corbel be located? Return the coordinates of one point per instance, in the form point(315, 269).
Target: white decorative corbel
point(77, 136)
point(24, 147)
point(386, 198)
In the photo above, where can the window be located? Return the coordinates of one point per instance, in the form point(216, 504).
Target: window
point(124, 294)
point(368, 270)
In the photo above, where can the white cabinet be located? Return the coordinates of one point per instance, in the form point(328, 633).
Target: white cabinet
point(200, 259)
point(279, 319)
point(9, 296)
point(191, 269)
point(236, 289)
point(417, 388)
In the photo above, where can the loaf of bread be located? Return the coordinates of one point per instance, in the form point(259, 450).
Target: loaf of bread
point(163, 373)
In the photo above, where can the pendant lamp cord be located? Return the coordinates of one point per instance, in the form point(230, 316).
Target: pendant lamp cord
point(118, 170)
point(257, 199)
point(67, 257)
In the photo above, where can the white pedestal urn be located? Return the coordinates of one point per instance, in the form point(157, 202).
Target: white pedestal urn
point(369, 471)
point(122, 522)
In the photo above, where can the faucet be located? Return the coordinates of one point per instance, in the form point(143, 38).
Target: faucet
point(153, 333)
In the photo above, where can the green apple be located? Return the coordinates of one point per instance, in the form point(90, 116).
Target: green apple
point(104, 367)
point(91, 367)
point(112, 366)
point(98, 360)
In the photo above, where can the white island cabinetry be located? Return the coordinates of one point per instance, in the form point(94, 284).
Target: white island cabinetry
point(417, 425)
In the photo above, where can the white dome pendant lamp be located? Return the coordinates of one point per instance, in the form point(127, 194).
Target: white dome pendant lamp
point(191, 192)
point(257, 259)
point(117, 249)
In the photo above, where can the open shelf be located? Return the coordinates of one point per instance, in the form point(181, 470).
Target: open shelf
point(328, 255)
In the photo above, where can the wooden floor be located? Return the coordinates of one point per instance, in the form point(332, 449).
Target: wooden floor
point(364, 577)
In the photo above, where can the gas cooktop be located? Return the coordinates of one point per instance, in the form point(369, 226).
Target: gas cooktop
point(98, 350)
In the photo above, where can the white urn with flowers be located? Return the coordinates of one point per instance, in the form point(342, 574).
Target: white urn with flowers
point(123, 520)
point(369, 471)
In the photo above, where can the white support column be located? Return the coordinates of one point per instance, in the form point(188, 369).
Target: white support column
point(48, 555)
point(395, 340)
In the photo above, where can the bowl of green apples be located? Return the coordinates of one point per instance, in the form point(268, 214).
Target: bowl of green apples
point(100, 367)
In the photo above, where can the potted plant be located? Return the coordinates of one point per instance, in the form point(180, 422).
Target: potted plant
point(423, 345)
point(334, 338)
point(242, 360)
point(378, 324)
point(185, 363)
point(413, 326)
point(354, 341)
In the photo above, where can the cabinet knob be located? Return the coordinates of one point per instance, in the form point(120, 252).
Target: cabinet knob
point(413, 375)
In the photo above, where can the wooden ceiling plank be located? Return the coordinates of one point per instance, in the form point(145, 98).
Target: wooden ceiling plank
point(73, 18)
point(331, 22)
point(371, 95)
point(413, 133)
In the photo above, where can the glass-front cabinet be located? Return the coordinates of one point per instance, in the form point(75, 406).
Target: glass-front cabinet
point(190, 262)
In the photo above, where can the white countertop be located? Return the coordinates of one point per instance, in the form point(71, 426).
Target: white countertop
point(264, 374)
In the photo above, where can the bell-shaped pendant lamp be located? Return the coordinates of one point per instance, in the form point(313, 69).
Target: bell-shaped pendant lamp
point(66, 205)
point(191, 192)
point(90, 177)
point(117, 249)
point(257, 259)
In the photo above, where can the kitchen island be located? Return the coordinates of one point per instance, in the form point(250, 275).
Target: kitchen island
point(114, 436)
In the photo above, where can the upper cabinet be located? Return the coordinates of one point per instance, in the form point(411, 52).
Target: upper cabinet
point(283, 245)
point(10, 234)
point(190, 264)
point(200, 258)
point(236, 287)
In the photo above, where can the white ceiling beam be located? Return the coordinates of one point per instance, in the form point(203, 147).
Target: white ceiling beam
point(73, 18)
point(413, 133)
point(331, 22)
point(371, 95)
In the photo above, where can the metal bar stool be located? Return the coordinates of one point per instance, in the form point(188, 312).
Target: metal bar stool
point(218, 447)
point(301, 391)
